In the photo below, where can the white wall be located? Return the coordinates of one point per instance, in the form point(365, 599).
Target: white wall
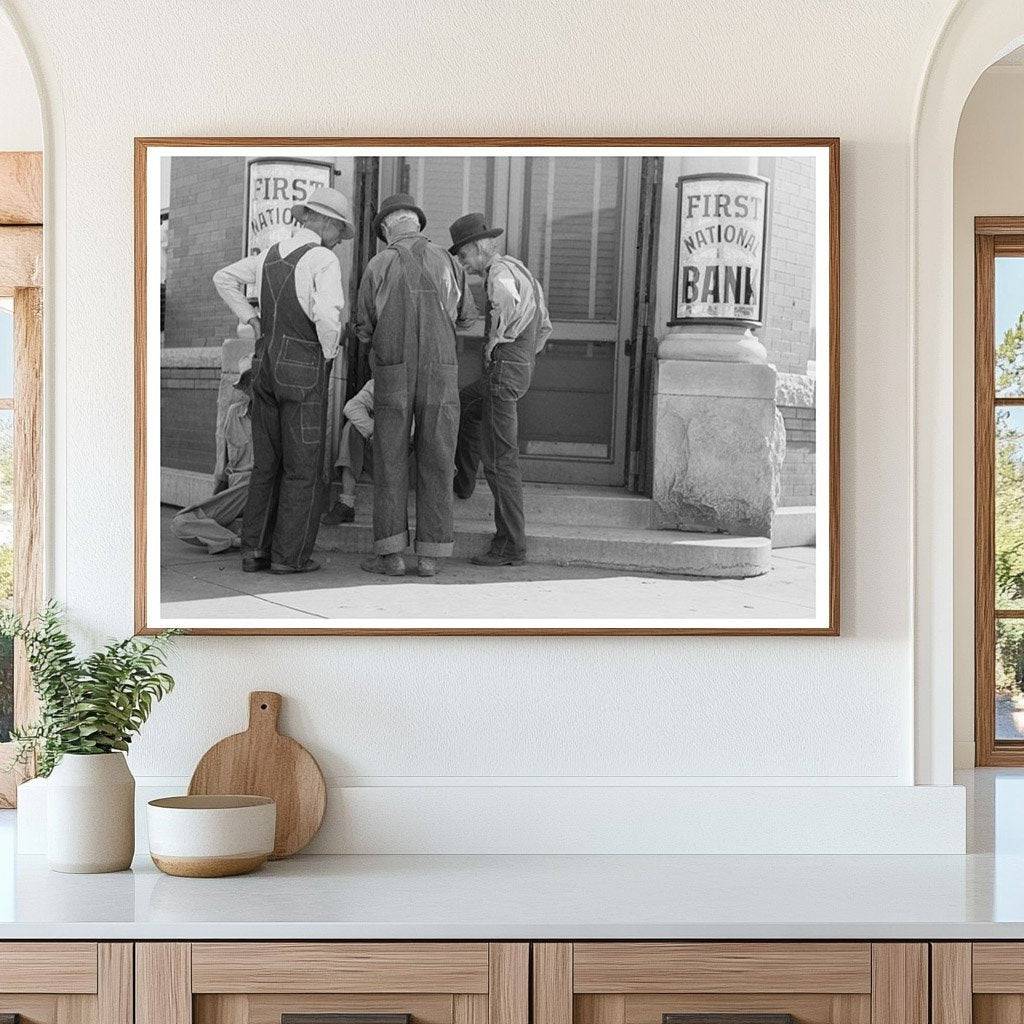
point(21, 124)
point(988, 181)
point(444, 713)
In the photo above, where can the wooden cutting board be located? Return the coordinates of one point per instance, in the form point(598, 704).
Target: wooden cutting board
point(262, 762)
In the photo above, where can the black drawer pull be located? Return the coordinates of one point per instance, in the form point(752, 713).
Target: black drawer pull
point(728, 1018)
point(339, 1018)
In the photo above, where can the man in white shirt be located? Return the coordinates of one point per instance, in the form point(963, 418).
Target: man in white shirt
point(298, 330)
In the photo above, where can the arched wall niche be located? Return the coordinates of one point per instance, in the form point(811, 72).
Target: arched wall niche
point(975, 35)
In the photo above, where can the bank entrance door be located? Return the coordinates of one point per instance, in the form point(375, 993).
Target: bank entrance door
point(573, 221)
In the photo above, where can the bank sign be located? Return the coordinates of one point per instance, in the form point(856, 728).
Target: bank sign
point(720, 234)
point(274, 187)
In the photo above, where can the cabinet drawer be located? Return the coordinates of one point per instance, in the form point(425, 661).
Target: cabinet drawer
point(749, 982)
point(48, 967)
point(260, 982)
point(630, 967)
point(340, 967)
point(998, 967)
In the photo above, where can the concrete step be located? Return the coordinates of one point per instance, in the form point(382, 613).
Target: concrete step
point(609, 547)
point(565, 504)
point(794, 526)
point(567, 524)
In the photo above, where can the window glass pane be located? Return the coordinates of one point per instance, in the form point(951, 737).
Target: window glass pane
point(1009, 326)
point(6, 564)
point(1009, 513)
point(449, 186)
point(571, 227)
point(6, 349)
point(1009, 679)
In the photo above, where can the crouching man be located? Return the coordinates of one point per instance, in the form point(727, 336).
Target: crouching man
point(355, 454)
point(516, 328)
point(209, 523)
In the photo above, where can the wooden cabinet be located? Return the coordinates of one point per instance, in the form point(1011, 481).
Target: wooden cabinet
point(979, 982)
point(259, 982)
point(66, 982)
point(815, 982)
point(493, 983)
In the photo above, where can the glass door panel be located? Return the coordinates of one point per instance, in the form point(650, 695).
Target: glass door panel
point(1009, 325)
point(572, 221)
point(575, 229)
point(1007, 382)
point(1009, 508)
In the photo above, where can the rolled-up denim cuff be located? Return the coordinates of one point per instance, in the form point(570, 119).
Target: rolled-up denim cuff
point(393, 545)
point(429, 549)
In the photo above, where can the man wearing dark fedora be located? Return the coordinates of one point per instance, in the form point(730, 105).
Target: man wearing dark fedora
point(516, 328)
point(412, 297)
point(298, 329)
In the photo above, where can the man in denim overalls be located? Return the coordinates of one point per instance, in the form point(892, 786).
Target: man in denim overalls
point(298, 330)
point(517, 327)
point(412, 297)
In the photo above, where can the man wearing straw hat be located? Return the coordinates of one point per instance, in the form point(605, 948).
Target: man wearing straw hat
point(411, 299)
point(516, 328)
point(298, 329)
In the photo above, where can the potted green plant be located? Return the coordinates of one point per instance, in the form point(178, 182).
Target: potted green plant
point(89, 710)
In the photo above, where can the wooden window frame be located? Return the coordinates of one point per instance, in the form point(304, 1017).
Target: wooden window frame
point(21, 263)
point(993, 236)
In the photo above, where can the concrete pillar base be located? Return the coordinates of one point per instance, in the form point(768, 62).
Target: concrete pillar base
point(712, 345)
point(719, 442)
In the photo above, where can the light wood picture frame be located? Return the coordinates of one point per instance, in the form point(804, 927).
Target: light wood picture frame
point(589, 443)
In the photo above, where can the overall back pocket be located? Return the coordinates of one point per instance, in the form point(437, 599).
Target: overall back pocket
point(297, 362)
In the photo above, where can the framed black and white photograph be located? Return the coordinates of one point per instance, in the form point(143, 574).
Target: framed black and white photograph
point(506, 386)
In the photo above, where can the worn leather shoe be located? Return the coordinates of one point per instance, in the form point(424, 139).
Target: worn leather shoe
point(255, 561)
point(384, 565)
point(339, 513)
point(426, 566)
point(281, 569)
point(495, 558)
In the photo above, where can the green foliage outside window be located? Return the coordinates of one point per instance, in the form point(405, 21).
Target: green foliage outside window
point(1009, 509)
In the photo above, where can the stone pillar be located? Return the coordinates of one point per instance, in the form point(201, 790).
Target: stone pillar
point(719, 440)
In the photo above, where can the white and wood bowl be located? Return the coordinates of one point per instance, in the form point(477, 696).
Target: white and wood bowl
point(211, 836)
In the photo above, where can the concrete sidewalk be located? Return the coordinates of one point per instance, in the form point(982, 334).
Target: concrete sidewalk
point(199, 586)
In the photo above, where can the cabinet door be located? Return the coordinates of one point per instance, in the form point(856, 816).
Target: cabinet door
point(306, 982)
point(980, 982)
point(66, 982)
point(738, 982)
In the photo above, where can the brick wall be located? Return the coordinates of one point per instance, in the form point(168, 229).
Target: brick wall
point(189, 383)
point(205, 229)
point(798, 469)
point(788, 332)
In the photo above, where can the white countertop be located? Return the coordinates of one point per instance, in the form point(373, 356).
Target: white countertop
point(531, 897)
point(978, 896)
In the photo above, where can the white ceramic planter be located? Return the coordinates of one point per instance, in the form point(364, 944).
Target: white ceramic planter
point(90, 814)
